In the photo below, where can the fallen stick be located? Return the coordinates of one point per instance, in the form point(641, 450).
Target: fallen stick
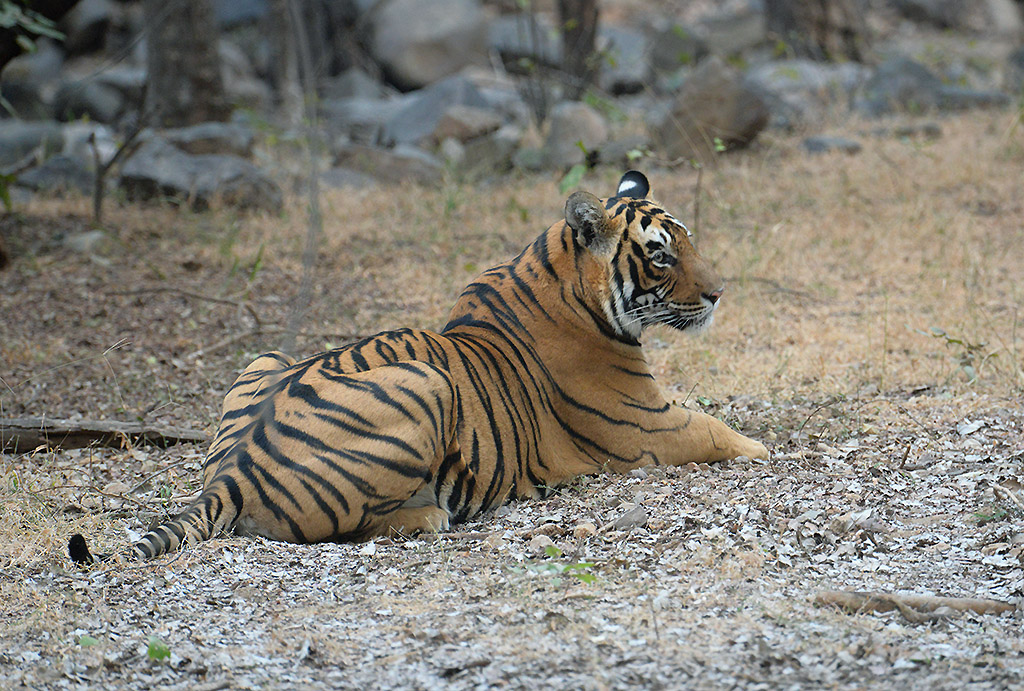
point(27, 433)
point(916, 608)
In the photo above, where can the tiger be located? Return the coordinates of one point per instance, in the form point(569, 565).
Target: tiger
point(538, 377)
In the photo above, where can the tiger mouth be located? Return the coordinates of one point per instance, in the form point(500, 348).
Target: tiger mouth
point(688, 318)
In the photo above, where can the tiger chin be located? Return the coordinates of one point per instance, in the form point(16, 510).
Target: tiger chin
point(537, 377)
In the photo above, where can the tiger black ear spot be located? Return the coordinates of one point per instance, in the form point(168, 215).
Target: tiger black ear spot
point(634, 184)
point(587, 217)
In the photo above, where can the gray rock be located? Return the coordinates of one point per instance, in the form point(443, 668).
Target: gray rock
point(799, 92)
point(732, 32)
point(25, 80)
point(83, 140)
point(213, 138)
point(242, 85)
point(621, 153)
point(626, 69)
point(90, 98)
point(84, 241)
point(823, 144)
point(1013, 75)
point(159, 169)
point(85, 26)
point(402, 164)
point(901, 84)
point(19, 138)
point(524, 42)
point(463, 123)
point(572, 123)
point(944, 14)
point(352, 83)
point(676, 46)
point(923, 130)
point(417, 43)
point(715, 103)
point(418, 119)
point(129, 81)
point(59, 175)
point(233, 13)
point(361, 120)
point(491, 153)
point(346, 178)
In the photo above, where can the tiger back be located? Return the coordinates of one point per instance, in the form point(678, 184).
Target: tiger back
point(539, 376)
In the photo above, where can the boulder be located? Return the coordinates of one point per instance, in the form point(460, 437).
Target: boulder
point(799, 92)
point(1013, 75)
point(361, 120)
point(572, 123)
point(417, 120)
point(85, 26)
point(404, 163)
point(159, 169)
point(233, 13)
point(352, 83)
point(626, 69)
point(88, 98)
point(675, 46)
point(491, 153)
point(59, 175)
point(25, 80)
point(715, 103)
point(901, 84)
point(524, 42)
point(417, 43)
point(825, 144)
point(213, 138)
point(463, 123)
point(18, 139)
point(346, 178)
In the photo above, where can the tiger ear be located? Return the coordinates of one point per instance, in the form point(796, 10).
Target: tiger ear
point(588, 218)
point(634, 184)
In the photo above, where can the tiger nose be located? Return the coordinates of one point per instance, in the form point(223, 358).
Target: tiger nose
point(714, 295)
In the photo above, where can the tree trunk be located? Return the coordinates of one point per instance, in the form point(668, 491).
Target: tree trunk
point(819, 29)
point(185, 85)
point(579, 30)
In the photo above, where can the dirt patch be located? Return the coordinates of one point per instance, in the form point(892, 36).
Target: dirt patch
point(869, 335)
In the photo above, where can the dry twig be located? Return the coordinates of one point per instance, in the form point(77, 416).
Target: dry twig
point(915, 608)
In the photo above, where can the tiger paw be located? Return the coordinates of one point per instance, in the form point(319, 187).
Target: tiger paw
point(423, 519)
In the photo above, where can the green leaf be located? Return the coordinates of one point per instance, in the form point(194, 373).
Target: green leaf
point(87, 641)
point(587, 578)
point(552, 551)
point(572, 178)
point(157, 650)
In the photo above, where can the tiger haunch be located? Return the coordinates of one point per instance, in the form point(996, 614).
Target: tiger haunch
point(538, 377)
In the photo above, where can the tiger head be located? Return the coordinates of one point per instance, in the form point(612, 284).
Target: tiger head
point(646, 270)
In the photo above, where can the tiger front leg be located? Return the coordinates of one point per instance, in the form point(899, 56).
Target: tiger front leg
point(706, 439)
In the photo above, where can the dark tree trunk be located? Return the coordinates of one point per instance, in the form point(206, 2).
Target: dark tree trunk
point(819, 29)
point(185, 85)
point(579, 30)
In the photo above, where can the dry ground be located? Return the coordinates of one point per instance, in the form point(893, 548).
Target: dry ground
point(870, 335)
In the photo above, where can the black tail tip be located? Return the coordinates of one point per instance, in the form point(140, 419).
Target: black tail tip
point(79, 551)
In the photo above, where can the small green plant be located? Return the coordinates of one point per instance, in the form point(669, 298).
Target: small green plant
point(967, 354)
point(87, 641)
point(157, 649)
point(575, 175)
point(998, 514)
point(14, 16)
point(578, 570)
